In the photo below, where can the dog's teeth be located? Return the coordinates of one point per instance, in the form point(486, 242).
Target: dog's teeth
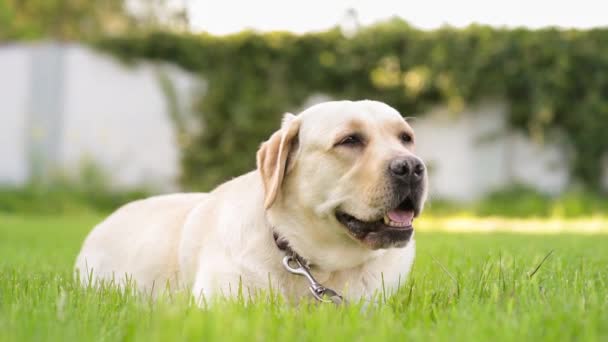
point(391, 223)
point(387, 221)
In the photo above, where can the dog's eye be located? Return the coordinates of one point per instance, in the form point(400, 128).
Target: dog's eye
point(405, 138)
point(351, 140)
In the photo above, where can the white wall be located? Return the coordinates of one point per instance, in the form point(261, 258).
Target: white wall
point(111, 114)
point(442, 142)
point(474, 152)
point(544, 166)
point(117, 116)
point(14, 76)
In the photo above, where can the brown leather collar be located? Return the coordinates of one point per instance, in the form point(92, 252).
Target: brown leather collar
point(283, 245)
point(295, 264)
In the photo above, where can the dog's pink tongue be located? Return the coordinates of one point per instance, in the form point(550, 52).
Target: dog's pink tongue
point(401, 216)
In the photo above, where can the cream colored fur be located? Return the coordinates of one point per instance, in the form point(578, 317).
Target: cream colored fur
point(212, 243)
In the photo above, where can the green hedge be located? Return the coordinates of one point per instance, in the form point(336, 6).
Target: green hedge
point(523, 201)
point(553, 80)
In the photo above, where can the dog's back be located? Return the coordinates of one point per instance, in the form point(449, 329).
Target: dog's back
point(140, 240)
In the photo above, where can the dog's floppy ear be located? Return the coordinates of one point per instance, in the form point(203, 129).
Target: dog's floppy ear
point(272, 157)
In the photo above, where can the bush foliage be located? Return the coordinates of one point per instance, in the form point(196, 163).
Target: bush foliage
point(522, 201)
point(554, 81)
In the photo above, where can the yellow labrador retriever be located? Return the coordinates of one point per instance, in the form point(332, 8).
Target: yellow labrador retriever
point(338, 186)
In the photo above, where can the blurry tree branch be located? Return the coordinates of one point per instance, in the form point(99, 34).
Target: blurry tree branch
point(85, 19)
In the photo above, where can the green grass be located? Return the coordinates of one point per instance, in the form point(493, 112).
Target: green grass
point(462, 287)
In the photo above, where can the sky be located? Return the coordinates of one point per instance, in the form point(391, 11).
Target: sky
point(229, 16)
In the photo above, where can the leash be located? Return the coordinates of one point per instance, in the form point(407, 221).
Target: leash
point(297, 265)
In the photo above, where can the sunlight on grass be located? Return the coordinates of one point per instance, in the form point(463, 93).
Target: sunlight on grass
point(471, 224)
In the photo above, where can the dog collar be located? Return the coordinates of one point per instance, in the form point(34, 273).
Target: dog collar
point(295, 264)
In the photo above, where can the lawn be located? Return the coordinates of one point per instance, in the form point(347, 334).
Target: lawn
point(464, 286)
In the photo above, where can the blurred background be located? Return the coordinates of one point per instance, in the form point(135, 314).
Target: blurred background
point(106, 101)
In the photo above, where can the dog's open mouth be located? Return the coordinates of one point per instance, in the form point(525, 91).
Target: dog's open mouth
point(394, 229)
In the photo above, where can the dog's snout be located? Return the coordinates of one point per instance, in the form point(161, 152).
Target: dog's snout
point(418, 169)
point(399, 167)
point(407, 168)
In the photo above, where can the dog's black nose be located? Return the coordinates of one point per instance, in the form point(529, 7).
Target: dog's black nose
point(407, 168)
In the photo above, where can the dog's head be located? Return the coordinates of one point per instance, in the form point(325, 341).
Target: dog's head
point(343, 175)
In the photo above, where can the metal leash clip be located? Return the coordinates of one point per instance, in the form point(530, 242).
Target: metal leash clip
point(320, 292)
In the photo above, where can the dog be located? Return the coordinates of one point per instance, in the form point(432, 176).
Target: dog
point(340, 184)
